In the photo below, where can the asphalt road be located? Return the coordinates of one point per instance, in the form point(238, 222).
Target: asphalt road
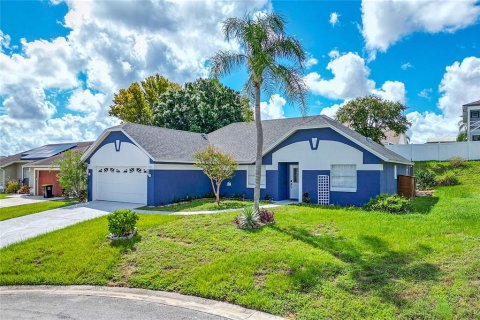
point(36, 305)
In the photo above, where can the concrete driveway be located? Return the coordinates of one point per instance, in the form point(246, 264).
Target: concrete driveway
point(21, 228)
point(19, 199)
point(90, 302)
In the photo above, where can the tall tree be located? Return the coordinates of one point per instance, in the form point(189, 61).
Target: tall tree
point(273, 61)
point(217, 166)
point(372, 116)
point(204, 105)
point(135, 104)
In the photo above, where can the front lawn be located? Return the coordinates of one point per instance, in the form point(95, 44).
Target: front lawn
point(3, 195)
point(314, 263)
point(26, 209)
point(203, 205)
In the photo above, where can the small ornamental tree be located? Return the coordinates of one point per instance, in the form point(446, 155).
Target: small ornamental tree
point(73, 174)
point(371, 116)
point(217, 166)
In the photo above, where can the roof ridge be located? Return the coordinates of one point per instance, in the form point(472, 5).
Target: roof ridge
point(161, 128)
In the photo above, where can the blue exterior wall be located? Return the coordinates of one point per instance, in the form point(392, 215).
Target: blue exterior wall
point(367, 188)
point(90, 184)
point(388, 183)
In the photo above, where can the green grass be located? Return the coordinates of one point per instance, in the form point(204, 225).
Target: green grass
point(202, 205)
point(314, 263)
point(3, 195)
point(26, 209)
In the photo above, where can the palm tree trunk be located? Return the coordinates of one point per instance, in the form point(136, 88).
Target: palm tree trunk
point(258, 161)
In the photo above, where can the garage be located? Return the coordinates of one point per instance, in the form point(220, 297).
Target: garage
point(122, 184)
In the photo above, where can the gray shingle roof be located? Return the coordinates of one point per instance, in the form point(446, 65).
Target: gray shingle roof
point(238, 139)
point(164, 144)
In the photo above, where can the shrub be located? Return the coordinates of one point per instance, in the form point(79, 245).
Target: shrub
point(457, 162)
point(122, 222)
point(12, 186)
point(248, 219)
point(25, 189)
point(425, 179)
point(389, 203)
point(306, 198)
point(82, 196)
point(447, 179)
point(268, 197)
point(266, 216)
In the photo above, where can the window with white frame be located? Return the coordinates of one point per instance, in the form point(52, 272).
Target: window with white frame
point(343, 177)
point(251, 177)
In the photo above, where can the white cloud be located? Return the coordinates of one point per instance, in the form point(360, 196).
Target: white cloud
point(425, 93)
point(86, 101)
point(110, 47)
point(310, 61)
point(386, 22)
point(351, 80)
point(334, 54)
point(460, 85)
point(331, 111)
point(334, 16)
point(274, 108)
point(406, 66)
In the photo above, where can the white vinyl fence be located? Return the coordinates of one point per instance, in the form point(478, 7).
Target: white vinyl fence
point(469, 150)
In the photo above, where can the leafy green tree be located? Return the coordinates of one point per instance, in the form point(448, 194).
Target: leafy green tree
point(204, 105)
point(73, 174)
point(273, 61)
point(217, 166)
point(135, 104)
point(371, 116)
point(462, 131)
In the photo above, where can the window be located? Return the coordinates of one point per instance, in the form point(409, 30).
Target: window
point(343, 177)
point(395, 172)
point(295, 175)
point(476, 137)
point(475, 114)
point(251, 177)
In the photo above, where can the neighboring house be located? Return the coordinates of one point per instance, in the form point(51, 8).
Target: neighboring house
point(471, 117)
point(154, 166)
point(36, 167)
point(441, 139)
point(393, 138)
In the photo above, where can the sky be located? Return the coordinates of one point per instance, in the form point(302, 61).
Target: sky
point(62, 61)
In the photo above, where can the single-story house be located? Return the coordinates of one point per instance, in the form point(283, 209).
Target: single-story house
point(314, 155)
point(36, 167)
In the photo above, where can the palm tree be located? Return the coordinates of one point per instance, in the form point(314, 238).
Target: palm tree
point(264, 46)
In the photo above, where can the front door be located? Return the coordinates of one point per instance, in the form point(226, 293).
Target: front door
point(294, 181)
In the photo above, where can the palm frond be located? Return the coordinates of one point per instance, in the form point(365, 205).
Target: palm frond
point(223, 62)
point(234, 28)
point(288, 48)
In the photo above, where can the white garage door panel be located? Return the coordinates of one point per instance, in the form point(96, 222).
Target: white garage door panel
point(123, 184)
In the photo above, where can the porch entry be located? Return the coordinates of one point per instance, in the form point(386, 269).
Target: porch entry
point(294, 182)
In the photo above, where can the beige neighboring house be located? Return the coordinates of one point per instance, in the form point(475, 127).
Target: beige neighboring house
point(37, 166)
point(393, 138)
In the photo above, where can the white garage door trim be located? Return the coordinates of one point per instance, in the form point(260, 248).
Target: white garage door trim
point(121, 183)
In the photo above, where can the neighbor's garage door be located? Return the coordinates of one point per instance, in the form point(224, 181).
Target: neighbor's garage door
point(123, 184)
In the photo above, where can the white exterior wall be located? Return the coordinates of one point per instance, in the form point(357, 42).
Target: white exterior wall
point(469, 150)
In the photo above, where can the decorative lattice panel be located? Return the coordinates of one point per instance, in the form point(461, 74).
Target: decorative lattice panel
point(324, 189)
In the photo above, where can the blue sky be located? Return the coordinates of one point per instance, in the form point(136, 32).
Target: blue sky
point(61, 62)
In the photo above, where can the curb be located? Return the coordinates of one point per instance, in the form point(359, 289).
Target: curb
point(212, 307)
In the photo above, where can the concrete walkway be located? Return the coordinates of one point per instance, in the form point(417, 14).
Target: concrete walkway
point(29, 226)
point(91, 302)
point(19, 199)
point(188, 213)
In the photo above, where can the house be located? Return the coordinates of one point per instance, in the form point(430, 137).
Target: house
point(393, 138)
point(441, 139)
point(471, 117)
point(36, 167)
point(314, 155)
